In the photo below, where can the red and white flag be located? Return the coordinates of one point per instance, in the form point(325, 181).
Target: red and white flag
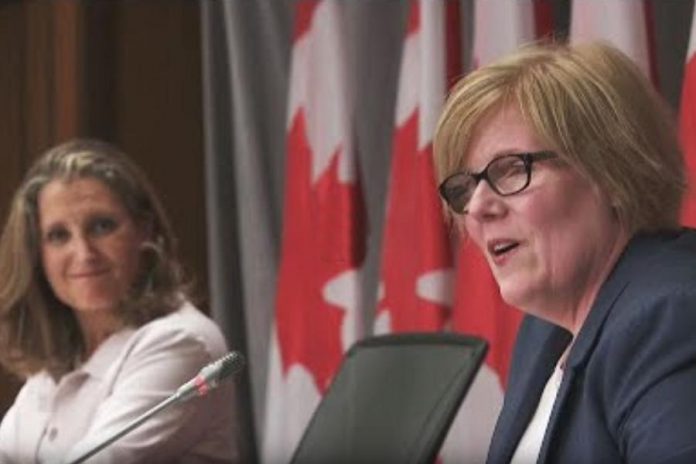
point(416, 279)
point(415, 285)
point(500, 27)
point(323, 246)
point(687, 127)
point(627, 24)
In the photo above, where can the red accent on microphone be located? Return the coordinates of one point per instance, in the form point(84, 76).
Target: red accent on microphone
point(201, 385)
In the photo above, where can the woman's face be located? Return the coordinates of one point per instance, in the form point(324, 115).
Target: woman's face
point(550, 245)
point(90, 245)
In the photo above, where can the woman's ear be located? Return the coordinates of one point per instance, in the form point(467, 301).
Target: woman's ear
point(615, 205)
point(608, 199)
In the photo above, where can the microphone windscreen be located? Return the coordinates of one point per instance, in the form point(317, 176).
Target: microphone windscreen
point(230, 363)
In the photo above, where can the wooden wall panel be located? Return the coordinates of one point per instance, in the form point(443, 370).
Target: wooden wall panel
point(39, 90)
point(11, 131)
point(144, 70)
point(38, 74)
point(67, 24)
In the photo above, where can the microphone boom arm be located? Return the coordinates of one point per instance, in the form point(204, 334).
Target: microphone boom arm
point(207, 379)
point(129, 427)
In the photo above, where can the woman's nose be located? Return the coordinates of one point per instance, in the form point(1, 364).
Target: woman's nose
point(83, 247)
point(485, 204)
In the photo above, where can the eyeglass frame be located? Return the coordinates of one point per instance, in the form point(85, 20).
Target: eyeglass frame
point(528, 159)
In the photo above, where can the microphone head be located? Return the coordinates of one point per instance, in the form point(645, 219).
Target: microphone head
point(229, 364)
point(211, 376)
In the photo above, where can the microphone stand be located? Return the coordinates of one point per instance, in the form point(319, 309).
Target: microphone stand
point(130, 426)
point(208, 378)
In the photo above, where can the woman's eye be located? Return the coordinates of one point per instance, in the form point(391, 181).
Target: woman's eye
point(513, 165)
point(57, 236)
point(509, 168)
point(516, 169)
point(102, 226)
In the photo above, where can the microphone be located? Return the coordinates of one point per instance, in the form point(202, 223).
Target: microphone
point(210, 377)
point(207, 379)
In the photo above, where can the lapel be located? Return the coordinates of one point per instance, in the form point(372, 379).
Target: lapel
point(520, 404)
point(541, 344)
point(638, 251)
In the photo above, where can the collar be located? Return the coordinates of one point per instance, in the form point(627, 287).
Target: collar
point(106, 353)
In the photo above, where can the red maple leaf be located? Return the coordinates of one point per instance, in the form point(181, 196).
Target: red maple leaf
point(322, 237)
point(480, 310)
point(304, 12)
point(687, 131)
point(416, 239)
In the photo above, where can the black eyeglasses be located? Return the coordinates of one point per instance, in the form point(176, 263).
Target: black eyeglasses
point(506, 175)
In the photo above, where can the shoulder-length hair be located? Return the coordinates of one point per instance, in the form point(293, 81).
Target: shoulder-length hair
point(593, 106)
point(38, 331)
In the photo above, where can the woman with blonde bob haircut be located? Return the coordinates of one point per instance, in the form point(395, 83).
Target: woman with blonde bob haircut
point(94, 315)
point(561, 164)
point(593, 106)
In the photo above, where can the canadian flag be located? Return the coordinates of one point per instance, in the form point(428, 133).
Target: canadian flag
point(323, 246)
point(416, 278)
point(687, 127)
point(627, 24)
point(500, 27)
point(415, 286)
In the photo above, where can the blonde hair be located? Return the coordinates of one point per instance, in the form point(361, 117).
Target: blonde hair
point(37, 331)
point(593, 106)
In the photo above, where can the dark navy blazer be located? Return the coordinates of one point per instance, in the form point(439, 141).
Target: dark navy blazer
point(629, 385)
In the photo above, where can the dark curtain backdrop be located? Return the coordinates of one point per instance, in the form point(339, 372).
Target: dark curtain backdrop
point(246, 60)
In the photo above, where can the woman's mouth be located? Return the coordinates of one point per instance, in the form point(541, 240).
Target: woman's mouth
point(499, 250)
